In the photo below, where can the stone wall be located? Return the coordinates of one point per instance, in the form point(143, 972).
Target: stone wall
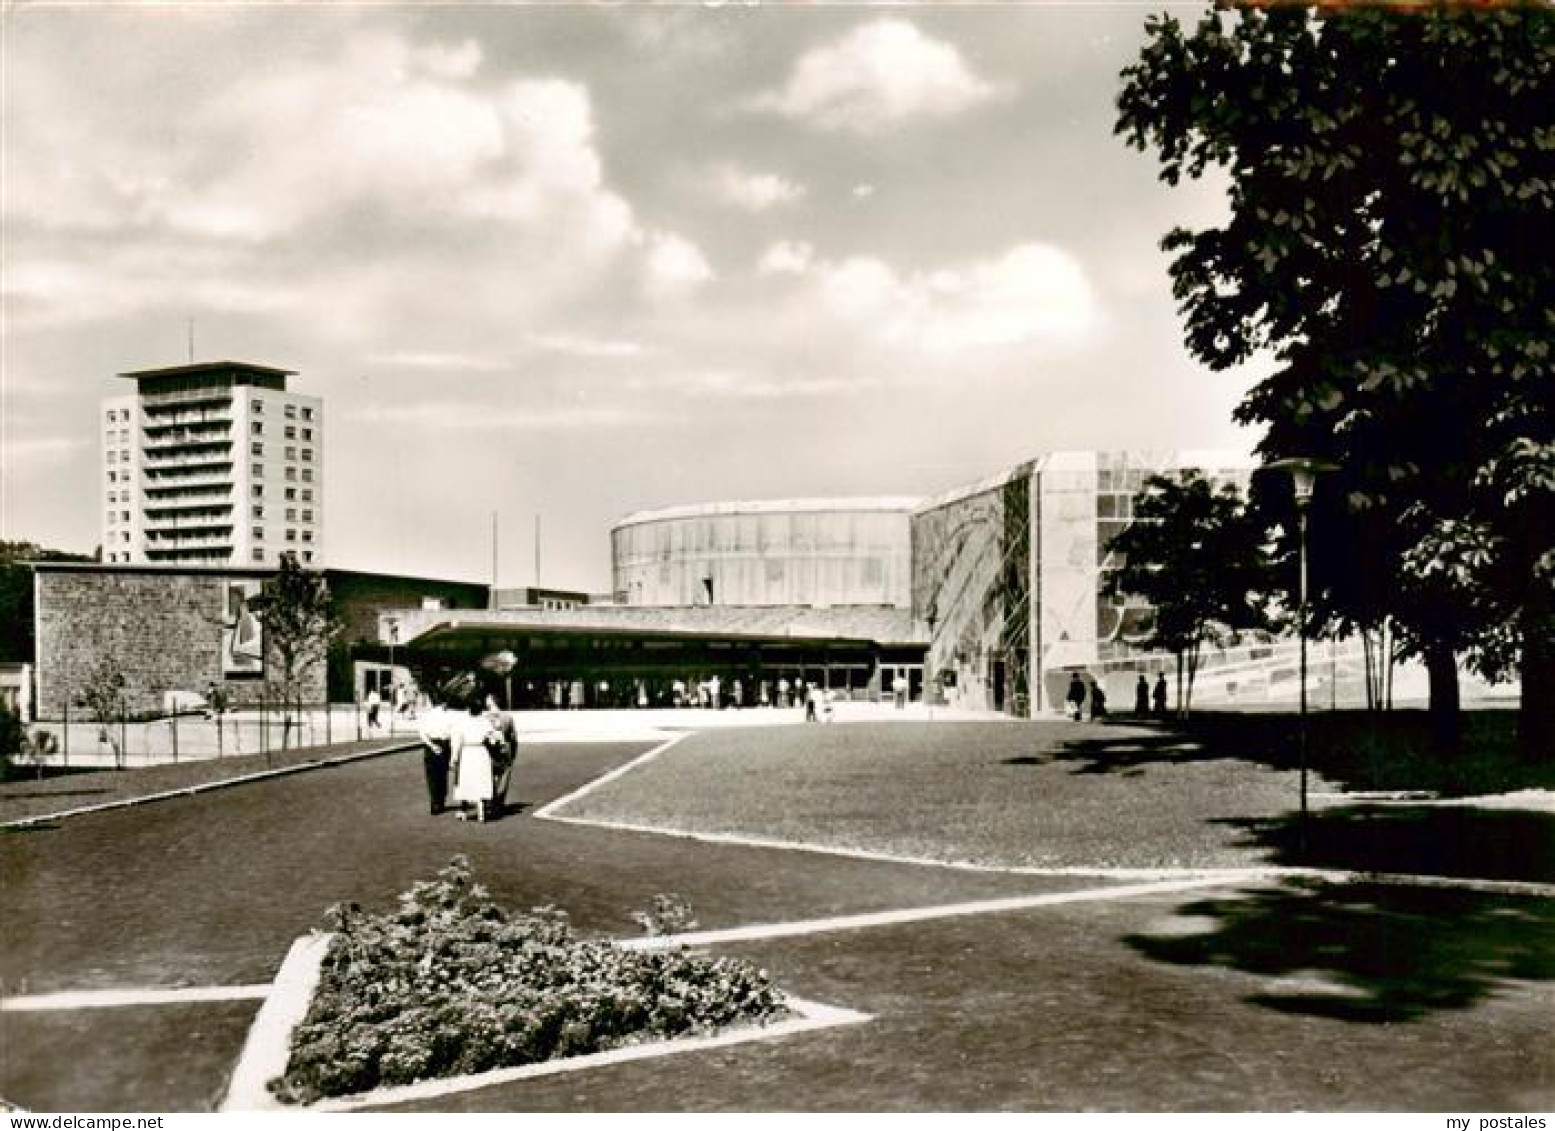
point(161, 631)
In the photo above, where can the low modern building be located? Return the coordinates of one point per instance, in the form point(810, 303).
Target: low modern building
point(630, 656)
point(990, 596)
point(1009, 573)
point(796, 552)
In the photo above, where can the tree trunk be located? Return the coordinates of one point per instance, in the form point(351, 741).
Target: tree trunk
point(1179, 682)
point(1446, 721)
point(1536, 707)
point(1371, 672)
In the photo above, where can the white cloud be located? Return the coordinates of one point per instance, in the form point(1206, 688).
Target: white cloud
point(577, 345)
point(786, 257)
point(736, 385)
point(444, 362)
point(881, 73)
point(675, 265)
point(452, 62)
point(466, 416)
point(41, 450)
point(756, 192)
point(1031, 294)
point(387, 176)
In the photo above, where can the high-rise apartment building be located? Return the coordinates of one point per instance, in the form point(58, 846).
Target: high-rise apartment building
point(213, 464)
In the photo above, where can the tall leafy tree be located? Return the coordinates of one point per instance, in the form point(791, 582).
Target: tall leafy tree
point(299, 621)
point(16, 623)
point(1194, 552)
point(1392, 201)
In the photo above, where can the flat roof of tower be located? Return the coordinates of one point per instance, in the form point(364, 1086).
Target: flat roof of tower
point(204, 367)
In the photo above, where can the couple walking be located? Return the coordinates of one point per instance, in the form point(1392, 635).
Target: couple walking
point(468, 754)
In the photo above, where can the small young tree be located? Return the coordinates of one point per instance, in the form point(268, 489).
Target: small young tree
point(299, 621)
point(103, 695)
point(1197, 556)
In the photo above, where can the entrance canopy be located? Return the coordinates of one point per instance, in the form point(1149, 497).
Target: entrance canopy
point(622, 655)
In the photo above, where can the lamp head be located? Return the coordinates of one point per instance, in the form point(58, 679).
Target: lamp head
point(1304, 471)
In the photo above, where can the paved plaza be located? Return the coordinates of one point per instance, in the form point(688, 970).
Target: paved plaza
point(1025, 979)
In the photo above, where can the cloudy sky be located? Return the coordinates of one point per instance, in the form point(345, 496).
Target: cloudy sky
point(576, 262)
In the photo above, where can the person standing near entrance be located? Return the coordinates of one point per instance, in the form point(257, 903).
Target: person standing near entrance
point(374, 704)
point(899, 691)
point(1075, 700)
point(1142, 696)
point(1159, 695)
point(812, 704)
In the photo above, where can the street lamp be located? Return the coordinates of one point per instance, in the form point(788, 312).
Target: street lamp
point(503, 664)
point(930, 688)
point(1304, 471)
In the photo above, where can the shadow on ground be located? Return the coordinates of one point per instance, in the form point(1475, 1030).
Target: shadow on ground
point(1365, 952)
point(1128, 748)
point(1495, 844)
point(1357, 750)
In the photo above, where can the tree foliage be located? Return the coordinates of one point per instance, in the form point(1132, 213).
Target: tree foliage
point(299, 621)
point(16, 623)
point(1195, 553)
point(103, 694)
point(1392, 207)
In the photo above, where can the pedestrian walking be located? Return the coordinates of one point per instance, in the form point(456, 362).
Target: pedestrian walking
point(1142, 696)
point(1158, 696)
point(812, 704)
point(474, 779)
point(374, 705)
point(504, 752)
point(1074, 701)
point(1098, 701)
point(435, 729)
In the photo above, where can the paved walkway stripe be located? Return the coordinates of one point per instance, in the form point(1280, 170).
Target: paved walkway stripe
point(916, 861)
point(812, 1016)
point(268, 1045)
point(763, 931)
point(110, 999)
point(545, 811)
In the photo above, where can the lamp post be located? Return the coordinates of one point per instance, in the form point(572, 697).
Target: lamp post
point(503, 664)
point(930, 689)
point(1304, 471)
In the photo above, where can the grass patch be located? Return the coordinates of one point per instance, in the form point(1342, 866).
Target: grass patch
point(449, 983)
point(1217, 791)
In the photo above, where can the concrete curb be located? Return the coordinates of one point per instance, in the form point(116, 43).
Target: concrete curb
point(206, 787)
point(811, 1017)
point(269, 1042)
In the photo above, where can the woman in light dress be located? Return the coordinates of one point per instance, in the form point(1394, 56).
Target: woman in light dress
point(474, 775)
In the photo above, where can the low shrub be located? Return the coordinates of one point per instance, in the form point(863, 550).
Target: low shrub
point(449, 983)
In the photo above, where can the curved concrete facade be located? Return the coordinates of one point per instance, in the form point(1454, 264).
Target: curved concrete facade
point(780, 552)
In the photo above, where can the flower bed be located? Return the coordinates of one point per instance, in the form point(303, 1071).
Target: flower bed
point(449, 983)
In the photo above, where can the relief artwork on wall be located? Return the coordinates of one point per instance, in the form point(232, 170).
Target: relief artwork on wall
point(242, 636)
